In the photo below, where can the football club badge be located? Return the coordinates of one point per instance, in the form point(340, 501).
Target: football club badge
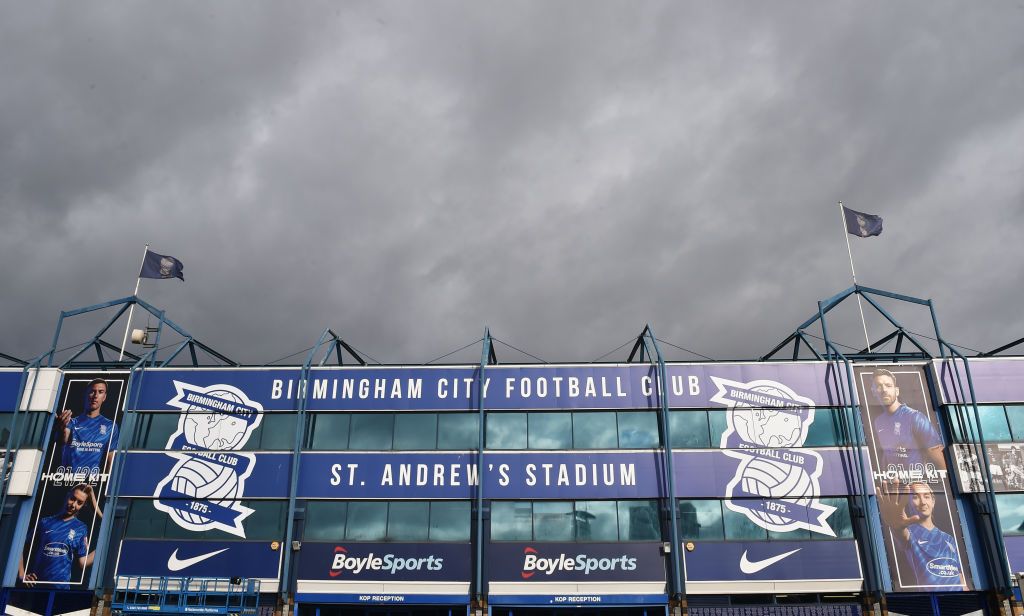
point(203, 489)
point(776, 486)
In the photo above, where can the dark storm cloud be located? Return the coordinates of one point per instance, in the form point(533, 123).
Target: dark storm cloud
point(561, 172)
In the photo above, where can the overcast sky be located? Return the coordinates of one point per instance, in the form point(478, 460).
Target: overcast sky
point(563, 172)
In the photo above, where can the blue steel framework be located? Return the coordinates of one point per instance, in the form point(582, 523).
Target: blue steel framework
point(648, 347)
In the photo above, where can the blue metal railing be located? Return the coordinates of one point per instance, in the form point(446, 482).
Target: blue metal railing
point(189, 595)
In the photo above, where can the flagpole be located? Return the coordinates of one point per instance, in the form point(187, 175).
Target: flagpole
point(131, 310)
point(849, 251)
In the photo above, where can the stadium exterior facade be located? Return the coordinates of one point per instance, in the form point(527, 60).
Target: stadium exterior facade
point(826, 484)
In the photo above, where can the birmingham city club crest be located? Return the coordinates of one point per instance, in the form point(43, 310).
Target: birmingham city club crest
point(775, 486)
point(203, 489)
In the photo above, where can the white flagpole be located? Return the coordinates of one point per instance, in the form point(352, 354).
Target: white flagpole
point(860, 306)
point(131, 310)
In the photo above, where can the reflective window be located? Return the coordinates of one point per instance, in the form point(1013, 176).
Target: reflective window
point(1015, 415)
point(638, 429)
point(552, 521)
point(154, 430)
point(689, 429)
point(276, 433)
point(416, 431)
point(993, 423)
point(408, 520)
point(329, 431)
point(701, 520)
point(719, 424)
point(449, 521)
point(32, 428)
point(825, 430)
point(596, 521)
point(638, 521)
point(839, 521)
point(266, 522)
point(458, 431)
point(594, 430)
point(371, 431)
point(325, 520)
point(1011, 513)
point(506, 431)
point(511, 521)
point(367, 521)
point(549, 430)
point(739, 528)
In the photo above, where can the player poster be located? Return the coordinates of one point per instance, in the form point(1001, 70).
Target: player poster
point(919, 515)
point(60, 546)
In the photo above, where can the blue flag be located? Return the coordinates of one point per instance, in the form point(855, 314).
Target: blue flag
point(861, 224)
point(161, 266)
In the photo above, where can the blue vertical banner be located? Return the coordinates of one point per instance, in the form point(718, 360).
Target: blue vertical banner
point(69, 500)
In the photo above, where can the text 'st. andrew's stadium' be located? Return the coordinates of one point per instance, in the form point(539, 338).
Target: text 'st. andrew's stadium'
point(821, 482)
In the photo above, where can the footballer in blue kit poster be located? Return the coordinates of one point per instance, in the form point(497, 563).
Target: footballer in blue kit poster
point(69, 500)
point(908, 460)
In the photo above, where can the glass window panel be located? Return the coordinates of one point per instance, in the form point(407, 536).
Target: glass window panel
point(594, 430)
point(458, 431)
point(993, 422)
point(719, 424)
point(689, 429)
point(276, 432)
point(449, 521)
point(416, 431)
point(32, 429)
point(371, 431)
point(549, 430)
point(511, 521)
point(1011, 513)
point(367, 521)
point(1015, 415)
point(155, 430)
point(506, 431)
point(638, 521)
point(325, 520)
point(839, 520)
point(738, 527)
point(6, 421)
point(552, 521)
point(638, 429)
point(596, 521)
point(144, 521)
point(824, 431)
point(701, 520)
point(408, 520)
point(330, 431)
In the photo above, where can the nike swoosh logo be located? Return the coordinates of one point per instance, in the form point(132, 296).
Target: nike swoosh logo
point(753, 567)
point(174, 564)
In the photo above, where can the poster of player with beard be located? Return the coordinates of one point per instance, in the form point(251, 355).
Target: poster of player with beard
point(919, 514)
point(59, 548)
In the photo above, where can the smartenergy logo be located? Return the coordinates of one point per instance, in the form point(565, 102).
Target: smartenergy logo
point(202, 490)
point(534, 563)
point(390, 564)
point(776, 487)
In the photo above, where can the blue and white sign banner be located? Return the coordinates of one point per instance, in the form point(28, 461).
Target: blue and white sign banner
point(143, 471)
point(381, 598)
point(575, 562)
point(744, 561)
point(996, 380)
point(503, 387)
point(201, 491)
point(247, 559)
point(455, 475)
point(398, 562)
point(766, 420)
point(704, 473)
point(10, 383)
point(579, 599)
